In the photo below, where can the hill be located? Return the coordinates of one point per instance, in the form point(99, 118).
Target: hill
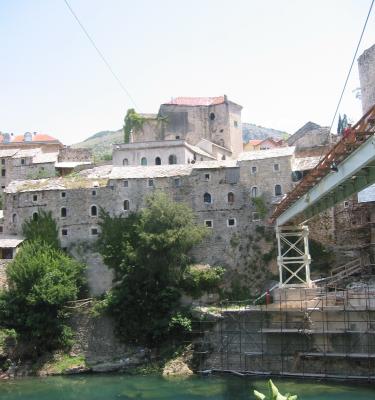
point(101, 142)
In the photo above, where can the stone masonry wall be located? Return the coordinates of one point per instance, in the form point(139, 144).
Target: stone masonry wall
point(366, 66)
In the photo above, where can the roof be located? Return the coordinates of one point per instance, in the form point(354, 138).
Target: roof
point(154, 171)
point(305, 163)
point(309, 126)
point(255, 142)
point(71, 164)
point(10, 241)
point(41, 158)
point(270, 153)
point(216, 164)
point(196, 101)
point(367, 195)
point(198, 150)
point(39, 137)
point(8, 152)
point(24, 153)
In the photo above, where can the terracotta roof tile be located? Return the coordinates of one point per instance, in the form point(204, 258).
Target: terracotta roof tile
point(39, 137)
point(196, 101)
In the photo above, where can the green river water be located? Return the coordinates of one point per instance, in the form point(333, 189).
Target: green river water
point(121, 387)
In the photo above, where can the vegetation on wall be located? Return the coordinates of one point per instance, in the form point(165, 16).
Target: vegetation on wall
point(260, 205)
point(132, 120)
point(148, 252)
point(42, 228)
point(41, 280)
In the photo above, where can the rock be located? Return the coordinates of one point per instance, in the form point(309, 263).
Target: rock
point(77, 370)
point(177, 367)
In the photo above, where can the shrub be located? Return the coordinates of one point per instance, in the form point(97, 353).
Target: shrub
point(200, 279)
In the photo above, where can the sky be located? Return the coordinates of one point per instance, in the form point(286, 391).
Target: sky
point(285, 61)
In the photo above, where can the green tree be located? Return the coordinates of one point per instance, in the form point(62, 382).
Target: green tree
point(41, 281)
point(149, 253)
point(42, 228)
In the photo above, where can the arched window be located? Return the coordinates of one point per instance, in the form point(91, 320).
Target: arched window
point(125, 161)
point(172, 159)
point(126, 205)
point(278, 191)
point(230, 197)
point(207, 198)
point(157, 161)
point(254, 191)
point(63, 212)
point(212, 116)
point(94, 211)
point(143, 161)
point(35, 216)
point(14, 218)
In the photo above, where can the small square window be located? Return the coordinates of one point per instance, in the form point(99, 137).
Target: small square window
point(63, 194)
point(35, 197)
point(93, 192)
point(208, 223)
point(150, 183)
point(254, 169)
point(256, 216)
point(3, 187)
point(177, 137)
point(64, 232)
point(23, 161)
point(346, 204)
point(3, 172)
point(206, 177)
point(14, 197)
point(3, 161)
point(276, 167)
point(94, 231)
point(177, 182)
point(126, 183)
point(231, 222)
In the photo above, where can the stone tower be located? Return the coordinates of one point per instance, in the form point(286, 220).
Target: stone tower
point(366, 66)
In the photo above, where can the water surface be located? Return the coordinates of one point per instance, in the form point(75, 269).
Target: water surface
point(124, 387)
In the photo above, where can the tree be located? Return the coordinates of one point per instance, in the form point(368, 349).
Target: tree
point(148, 252)
point(41, 281)
point(42, 228)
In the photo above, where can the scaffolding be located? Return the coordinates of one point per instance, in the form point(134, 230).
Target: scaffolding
point(321, 332)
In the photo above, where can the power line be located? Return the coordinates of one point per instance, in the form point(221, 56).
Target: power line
point(100, 53)
point(351, 66)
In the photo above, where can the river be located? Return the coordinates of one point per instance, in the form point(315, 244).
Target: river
point(122, 387)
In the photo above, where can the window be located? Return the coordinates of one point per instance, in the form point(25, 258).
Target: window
point(206, 177)
point(2, 186)
point(212, 116)
point(256, 216)
point(231, 222)
point(278, 191)
point(177, 137)
point(1, 229)
point(223, 157)
point(207, 198)
point(3, 172)
point(126, 205)
point(276, 167)
point(64, 232)
point(346, 204)
point(126, 183)
point(94, 211)
point(208, 223)
point(63, 194)
point(14, 218)
point(172, 159)
point(150, 183)
point(63, 212)
point(235, 123)
point(35, 197)
point(254, 169)
point(177, 182)
point(143, 161)
point(94, 231)
point(3, 161)
point(35, 216)
point(93, 193)
point(157, 161)
point(254, 191)
point(125, 161)
point(23, 161)
point(230, 198)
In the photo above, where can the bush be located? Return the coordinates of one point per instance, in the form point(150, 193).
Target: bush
point(148, 252)
point(41, 281)
point(200, 279)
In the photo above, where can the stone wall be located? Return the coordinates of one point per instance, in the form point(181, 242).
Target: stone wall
point(366, 66)
point(70, 154)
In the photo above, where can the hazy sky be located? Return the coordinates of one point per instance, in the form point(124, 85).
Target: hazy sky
point(285, 62)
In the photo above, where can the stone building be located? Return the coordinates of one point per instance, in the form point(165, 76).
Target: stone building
point(219, 192)
point(366, 66)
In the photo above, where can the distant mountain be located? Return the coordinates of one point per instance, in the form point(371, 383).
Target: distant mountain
point(251, 132)
point(101, 142)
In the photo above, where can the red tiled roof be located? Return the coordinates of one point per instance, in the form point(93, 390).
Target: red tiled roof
point(255, 142)
point(39, 137)
point(196, 101)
